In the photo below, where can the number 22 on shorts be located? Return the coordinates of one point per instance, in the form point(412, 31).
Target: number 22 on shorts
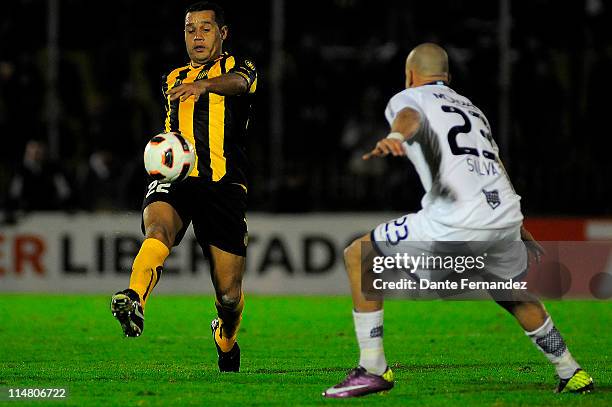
point(156, 186)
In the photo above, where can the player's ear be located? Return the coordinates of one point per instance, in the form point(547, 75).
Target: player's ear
point(409, 78)
point(224, 31)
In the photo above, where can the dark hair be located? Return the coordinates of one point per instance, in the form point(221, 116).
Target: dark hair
point(209, 5)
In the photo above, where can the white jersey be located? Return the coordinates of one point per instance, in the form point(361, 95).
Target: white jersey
point(457, 161)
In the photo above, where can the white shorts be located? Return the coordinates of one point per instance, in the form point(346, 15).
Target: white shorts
point(505, 255)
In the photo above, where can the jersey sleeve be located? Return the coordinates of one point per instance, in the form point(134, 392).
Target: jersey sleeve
point(400, 101)
point(246, 68)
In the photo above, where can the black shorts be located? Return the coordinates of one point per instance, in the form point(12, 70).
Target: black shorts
point(217, 211)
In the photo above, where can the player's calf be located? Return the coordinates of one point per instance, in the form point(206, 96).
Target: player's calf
point(147, 268)
point(356, 257)
point(549, 341)
point(538, 325)
point(229, 315)
point(225, 329)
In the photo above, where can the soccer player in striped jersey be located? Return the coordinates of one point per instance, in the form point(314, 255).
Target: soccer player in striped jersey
point(209, 102)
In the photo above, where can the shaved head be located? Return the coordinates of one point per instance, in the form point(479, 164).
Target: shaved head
point(426, 62)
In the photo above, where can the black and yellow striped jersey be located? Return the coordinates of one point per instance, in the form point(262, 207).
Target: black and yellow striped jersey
point(216, 125)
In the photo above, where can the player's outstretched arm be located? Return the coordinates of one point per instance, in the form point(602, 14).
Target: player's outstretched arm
point(229, 84)
point(404, 127)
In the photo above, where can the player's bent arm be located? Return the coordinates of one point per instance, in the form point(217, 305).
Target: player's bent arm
point(406, 122)
point(229, 84)
point(404, 127)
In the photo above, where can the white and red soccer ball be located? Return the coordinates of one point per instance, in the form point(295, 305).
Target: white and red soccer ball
point(168, 157)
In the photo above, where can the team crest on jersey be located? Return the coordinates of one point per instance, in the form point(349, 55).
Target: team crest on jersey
point(492, 198)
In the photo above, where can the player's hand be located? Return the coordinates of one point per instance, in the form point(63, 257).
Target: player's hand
point(532, 245)
point(187, 90)
point(385, 147)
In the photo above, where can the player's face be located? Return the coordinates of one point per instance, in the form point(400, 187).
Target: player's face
point(203, 36)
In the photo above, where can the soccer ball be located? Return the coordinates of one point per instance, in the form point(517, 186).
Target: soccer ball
point(168, 157)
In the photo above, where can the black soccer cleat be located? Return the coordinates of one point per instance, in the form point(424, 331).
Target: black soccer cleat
point(126, 308)
point(580, 382)
point(228, 361)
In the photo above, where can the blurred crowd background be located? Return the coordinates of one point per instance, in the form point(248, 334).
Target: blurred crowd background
point(339, 63)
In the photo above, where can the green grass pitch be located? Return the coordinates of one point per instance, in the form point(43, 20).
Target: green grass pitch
point(443, 353)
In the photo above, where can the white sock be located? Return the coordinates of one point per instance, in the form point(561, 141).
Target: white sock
point(548, 339)
point(369, 329)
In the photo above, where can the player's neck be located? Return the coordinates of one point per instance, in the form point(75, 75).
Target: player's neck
point(196, 64)
point(430, 80)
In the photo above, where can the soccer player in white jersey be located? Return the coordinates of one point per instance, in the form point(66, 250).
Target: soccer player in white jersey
point(468, 197)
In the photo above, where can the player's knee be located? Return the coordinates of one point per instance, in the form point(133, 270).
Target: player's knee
point(160, 232)
point(351, 252)
point(509, 306)
point(517, 301)
point(229, 300)
point(517, 306)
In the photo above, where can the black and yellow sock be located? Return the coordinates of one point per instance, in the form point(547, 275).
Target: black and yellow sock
point(147, 267)
point(229, 323)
